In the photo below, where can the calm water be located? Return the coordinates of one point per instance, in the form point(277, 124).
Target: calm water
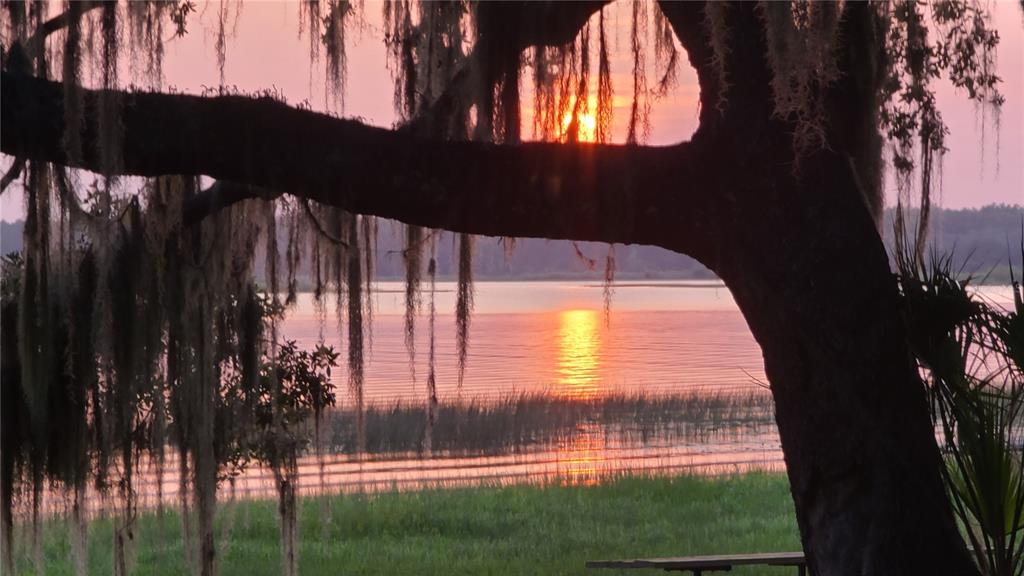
point(554, 337)
point(661, 338)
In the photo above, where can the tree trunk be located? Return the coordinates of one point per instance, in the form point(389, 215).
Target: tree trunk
point(286, 476)
point(798, 246)
point(811, 276)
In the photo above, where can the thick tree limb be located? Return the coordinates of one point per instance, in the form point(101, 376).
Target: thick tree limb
point(218, 196)
point(687, 22)
point(622, 194)
point(851, 101)
point(541, 23)
point(735, 86)
point(58, 22)
point(517, 26)
point(12, 174)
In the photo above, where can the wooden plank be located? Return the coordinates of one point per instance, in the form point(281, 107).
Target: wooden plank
point(716, 562)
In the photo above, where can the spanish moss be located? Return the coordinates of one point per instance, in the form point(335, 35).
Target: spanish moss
point(608, 286)
point(355, 323)
point(428, 434)
point(412, 255)
point(666, 55)
point(639, 112)
point(72, 82)
point(110, 119)
point(604, 87)
point(464, 302)
point(334, 41)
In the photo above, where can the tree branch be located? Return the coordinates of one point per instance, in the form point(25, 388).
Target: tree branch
point(735, 86)
point(507, 28)
point(851, 102)
point(59, 22)
point(218, 196)
point(320, 227)
point(540, 23)
point(12, 174)
point(687, 20)
point(621, 194)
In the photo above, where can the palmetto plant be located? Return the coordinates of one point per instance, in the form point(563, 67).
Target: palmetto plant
point(971, 353)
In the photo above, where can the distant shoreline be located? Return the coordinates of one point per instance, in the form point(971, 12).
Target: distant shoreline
point(981, 241)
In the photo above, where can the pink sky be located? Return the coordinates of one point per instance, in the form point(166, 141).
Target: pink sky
point(983, 165)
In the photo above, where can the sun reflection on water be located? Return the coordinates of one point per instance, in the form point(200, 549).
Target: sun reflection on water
point(582, 458)
point(579, 359)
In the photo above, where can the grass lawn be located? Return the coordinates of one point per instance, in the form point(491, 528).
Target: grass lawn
point(489, 530)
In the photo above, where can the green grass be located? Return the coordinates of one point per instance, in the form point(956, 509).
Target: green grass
point(489, 530)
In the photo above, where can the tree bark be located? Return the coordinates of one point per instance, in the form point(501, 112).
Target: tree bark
point(812, 279)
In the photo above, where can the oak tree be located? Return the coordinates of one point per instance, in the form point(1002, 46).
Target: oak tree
point(778, 192)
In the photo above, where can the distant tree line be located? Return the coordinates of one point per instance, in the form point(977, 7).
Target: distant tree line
point(982, 242)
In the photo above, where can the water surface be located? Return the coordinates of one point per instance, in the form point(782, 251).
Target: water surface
point(554, 340)
point(659, 337)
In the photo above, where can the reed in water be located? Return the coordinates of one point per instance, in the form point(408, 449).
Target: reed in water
point(521, 421)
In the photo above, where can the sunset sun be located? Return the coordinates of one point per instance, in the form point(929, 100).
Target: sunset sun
point(585, 128)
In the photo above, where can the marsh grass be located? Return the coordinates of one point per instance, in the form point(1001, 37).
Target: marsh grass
point(550, 529)
point(517, 422)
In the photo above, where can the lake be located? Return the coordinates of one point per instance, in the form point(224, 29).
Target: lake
point(554, 337)
point(681, 339)
point(671, 381)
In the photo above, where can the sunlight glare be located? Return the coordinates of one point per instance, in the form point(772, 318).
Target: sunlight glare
point(587, 126)
point(579, 352)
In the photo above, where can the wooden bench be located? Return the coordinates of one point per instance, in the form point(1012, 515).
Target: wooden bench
point(700, 564)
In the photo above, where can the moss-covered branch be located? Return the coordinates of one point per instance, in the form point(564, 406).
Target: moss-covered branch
point(623, 194)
